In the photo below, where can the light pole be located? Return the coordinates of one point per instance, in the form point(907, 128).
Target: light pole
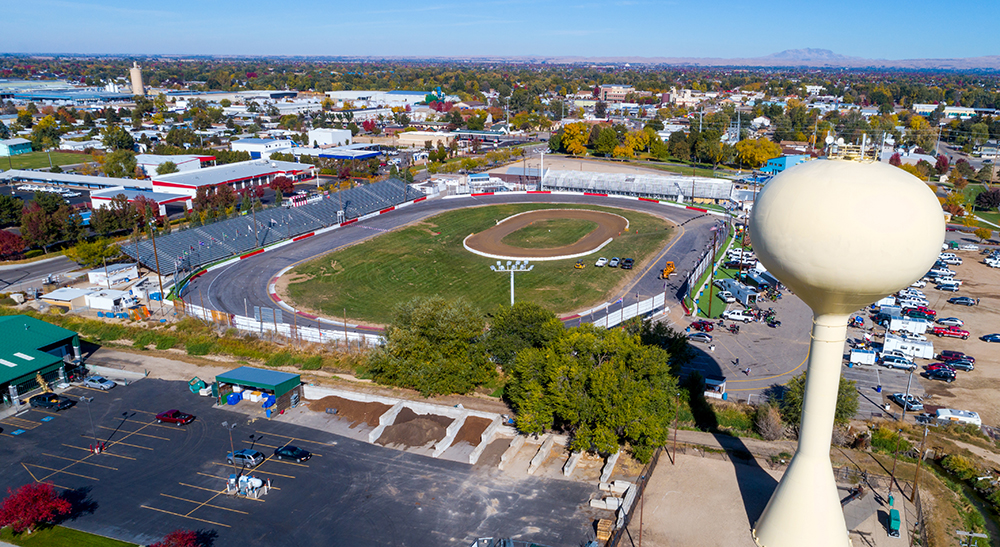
point(93, 430)
point(232, 447)
point(517, 266)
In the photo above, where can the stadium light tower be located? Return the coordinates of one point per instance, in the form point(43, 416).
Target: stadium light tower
point(517, 266)
point(804, 232)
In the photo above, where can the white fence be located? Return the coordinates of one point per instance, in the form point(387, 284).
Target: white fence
point(293, 332)
point(628, 312)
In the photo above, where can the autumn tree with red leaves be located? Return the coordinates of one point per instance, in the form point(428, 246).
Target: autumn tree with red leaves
point(179, 538)
point(32, 505)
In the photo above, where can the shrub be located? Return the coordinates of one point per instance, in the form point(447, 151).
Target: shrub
point(166, 342)
point(200, 346)
point(961, 467)
point(31, 505)
point(887, 440)
point(313, 363)
point(768, 423)
point(33, 253)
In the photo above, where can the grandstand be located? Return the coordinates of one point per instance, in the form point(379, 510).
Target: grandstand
point(188, 249)
point(665, 187)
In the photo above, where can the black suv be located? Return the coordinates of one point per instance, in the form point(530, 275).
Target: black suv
point(942, 374)
point(627, 263)
point(51, 401)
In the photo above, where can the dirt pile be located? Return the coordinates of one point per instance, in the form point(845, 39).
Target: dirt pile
point(353, 411)
point(413, 430)
point(472, 431)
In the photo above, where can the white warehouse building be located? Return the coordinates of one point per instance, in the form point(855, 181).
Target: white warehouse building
point(324, 137)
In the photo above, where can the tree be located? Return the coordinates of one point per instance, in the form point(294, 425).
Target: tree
point(755, 152)
point(166, 167)
point(979, 133)
point(791, 403)
point(574, 138)
point(768, 422)
point(283, 184)
point(984, 234)
point(39, 228)
point(603, 386)
point(11, 244)
point(179, 538)
point(119, 164)
point(31, 506)
point(10, 210)
point(895, 160)
point(964, 168)
point(607, 140)
point(45, 134)
point(601, 110)
point(988, 199)
point(515, 328)
point(430, 347)
point(942, 164)
point(116, 138)
point(94, 253)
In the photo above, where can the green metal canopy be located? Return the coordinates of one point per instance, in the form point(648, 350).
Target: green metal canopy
point(271, 380)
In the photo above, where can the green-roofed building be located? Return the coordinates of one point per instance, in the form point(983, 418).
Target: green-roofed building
point(29, 347)
point(286, 388)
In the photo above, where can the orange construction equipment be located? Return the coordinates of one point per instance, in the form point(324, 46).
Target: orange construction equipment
point(668, 269)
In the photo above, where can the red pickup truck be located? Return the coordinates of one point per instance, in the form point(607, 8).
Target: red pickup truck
point(953, 332)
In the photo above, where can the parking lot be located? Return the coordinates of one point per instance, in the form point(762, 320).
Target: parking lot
point(155, 478)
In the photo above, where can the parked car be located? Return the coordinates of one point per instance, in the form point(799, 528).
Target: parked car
point(50, 401)
point(941, 374)
point(950, 355)
point(290, 452)
point(614, 262)
point(601, 262)
point(737, 315)
point(627, 263)
point(920, 283)
point(702, 325)
point(967, 366)
point(962, 301)
point(907, 401)
point(940, 366)
point(947, 287)
point(700, 337)
point(895, 353)
point(98, 382)
point(968, 246)
point(951, 322)
point(726, 297)
point(911, 336)
point(951, 332)
point(174, 416)
point(957, 261)
point(902, 363)
point(245, 457)
point(990, 338)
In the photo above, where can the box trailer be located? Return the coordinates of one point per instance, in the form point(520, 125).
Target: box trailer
point(863, 356)
point(911, 325)
point(912, 348)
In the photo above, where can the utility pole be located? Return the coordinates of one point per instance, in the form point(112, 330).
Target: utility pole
point(711, 271)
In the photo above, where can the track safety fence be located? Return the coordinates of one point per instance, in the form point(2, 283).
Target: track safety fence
point(624, 313)
point(297, 332)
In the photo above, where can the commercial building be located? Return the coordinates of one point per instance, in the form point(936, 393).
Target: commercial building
point(333, 137)
point(239, 175)
point(103, 198)
point(67, 297)
point(113, 274)
point(14, 147)
point(275, 391)
point(262, 148)
point(613, 93)
point(150, 162)
point(70, 180)
point(30, 349)
point(781, 163)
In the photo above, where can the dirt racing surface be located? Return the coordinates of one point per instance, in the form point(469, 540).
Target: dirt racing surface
point(413, 430)
point(489, 241)
point(353, 411)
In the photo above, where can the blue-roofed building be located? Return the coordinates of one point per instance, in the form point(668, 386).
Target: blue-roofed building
point(14, 147)
point(781, 163)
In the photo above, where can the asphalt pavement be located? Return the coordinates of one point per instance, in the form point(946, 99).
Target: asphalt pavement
point(18, 277)
point(155, 478)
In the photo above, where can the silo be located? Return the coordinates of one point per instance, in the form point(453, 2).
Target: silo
point(136, 75)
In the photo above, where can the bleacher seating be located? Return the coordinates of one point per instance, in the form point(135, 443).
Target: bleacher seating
point(188, 249)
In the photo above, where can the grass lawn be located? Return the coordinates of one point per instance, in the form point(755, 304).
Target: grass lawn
point(38, 160)
point(546, 234)
point(428, 259)
point(59, 536)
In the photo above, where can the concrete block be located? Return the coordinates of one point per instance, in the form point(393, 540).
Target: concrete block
point(385, 420)
point(598, 504)
point(515, 445)
point(571, 463)
point(449, 435)
point(541, 455)
point(609, 466)
point(485, 439)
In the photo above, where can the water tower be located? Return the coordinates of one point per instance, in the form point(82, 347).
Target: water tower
point(135, 73)
point(841, 235)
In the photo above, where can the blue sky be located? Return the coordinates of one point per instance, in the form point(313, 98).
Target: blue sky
point(877, 29)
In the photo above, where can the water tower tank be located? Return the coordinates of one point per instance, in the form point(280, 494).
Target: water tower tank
point(135, 73)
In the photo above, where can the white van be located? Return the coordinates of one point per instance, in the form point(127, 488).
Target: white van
point(950, 415)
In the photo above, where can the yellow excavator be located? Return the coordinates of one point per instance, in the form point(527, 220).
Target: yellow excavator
point(668, 269)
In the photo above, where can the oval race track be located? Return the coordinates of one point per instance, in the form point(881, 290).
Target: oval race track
point(239, 287)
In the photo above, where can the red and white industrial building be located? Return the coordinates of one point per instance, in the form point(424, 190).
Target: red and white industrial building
point(246, 174)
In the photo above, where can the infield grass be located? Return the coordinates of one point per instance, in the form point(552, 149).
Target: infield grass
point(547, 234)
point(427, 259)
point(38, 160)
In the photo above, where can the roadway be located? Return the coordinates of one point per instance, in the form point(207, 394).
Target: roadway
point(218, 291)
point(17, 277)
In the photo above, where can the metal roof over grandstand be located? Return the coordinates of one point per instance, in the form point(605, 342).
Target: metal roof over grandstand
point(87, 181)
point(188, 249)
point(229, 173)
point(671, 187)
point(131, 195)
